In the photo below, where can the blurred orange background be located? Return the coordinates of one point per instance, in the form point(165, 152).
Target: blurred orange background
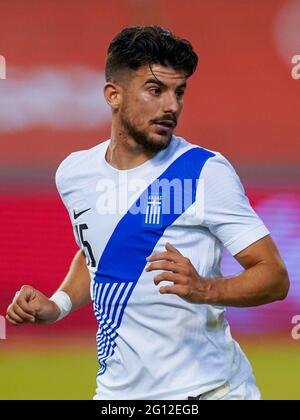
point(242, 101)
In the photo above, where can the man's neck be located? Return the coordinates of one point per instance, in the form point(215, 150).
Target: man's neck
point(123, 153)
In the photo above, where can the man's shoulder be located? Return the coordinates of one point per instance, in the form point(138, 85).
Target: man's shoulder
point(76, 162)
point(216, 168)
point(213, 156)
point(79, 158)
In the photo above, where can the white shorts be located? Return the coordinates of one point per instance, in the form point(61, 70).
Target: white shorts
point(248, 390)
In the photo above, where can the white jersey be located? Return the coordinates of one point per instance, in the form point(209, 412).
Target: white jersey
point(152, 345)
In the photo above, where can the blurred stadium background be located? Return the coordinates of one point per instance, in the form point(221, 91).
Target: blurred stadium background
point(242, 101)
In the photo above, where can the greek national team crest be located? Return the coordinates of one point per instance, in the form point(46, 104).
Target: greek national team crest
point(153, 214)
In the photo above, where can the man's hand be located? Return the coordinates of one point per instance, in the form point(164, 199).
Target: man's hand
point(187, 283)
point(31, 306)
point(264, 279)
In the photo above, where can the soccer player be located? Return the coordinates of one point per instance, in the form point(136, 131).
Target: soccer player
point(151, 214)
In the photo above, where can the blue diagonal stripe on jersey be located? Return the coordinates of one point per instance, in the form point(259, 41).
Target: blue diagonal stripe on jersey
point(124, 257)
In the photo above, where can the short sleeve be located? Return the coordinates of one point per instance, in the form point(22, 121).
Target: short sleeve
point(65, 191)
point(227, 211)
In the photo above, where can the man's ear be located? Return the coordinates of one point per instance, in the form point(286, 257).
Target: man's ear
point(113, 95)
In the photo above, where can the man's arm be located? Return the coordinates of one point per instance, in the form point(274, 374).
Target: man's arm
point(264, 280)
point(31, 306)
point(77, 282)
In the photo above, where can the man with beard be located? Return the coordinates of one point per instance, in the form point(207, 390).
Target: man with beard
point(151, 263)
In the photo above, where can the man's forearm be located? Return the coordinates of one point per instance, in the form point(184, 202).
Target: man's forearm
point(31, 305)
point(261, 284)
point(77, 282)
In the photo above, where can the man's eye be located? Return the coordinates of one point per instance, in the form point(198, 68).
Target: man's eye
point(180, 93)
point(155, 91)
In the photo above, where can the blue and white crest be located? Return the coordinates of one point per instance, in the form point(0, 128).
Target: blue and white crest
point(153, 213)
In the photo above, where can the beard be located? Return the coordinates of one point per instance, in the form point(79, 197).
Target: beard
point(142, 138)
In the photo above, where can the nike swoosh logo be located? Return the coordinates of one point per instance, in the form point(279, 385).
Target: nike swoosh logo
point(76, 215)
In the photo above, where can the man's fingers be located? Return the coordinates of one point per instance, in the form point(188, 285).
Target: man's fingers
point(169, 256)
point(22, 310)
point(24, 296)
point(22, 314)
point(16, 314)
point(172, 248)
point(14, 317)
point(23, 304)
point(167, 276)
point(11, 321)
point(164, 265)
point(178, 290)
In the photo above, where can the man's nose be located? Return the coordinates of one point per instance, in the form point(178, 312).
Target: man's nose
point(171, 104)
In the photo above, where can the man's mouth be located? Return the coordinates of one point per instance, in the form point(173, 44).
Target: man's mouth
point(166, 124)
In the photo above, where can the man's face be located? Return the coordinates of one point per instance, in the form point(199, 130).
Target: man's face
point(151, 104)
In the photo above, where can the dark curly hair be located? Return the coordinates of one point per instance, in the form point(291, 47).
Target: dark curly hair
point(141, 45)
